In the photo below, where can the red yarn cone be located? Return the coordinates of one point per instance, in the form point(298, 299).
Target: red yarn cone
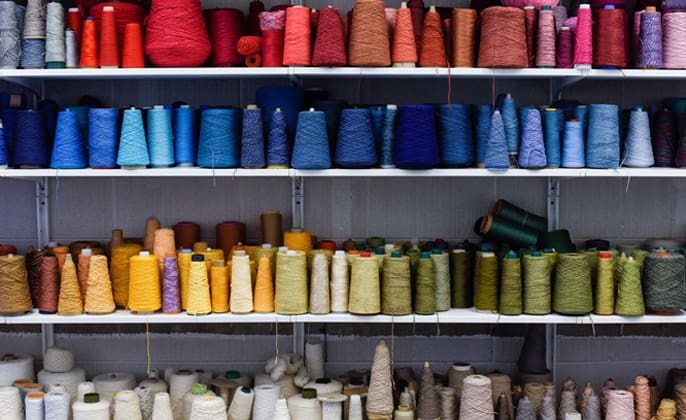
point(329, 46)
point(176, 35)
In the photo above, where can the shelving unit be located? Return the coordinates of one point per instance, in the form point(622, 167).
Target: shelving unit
point(555, 79)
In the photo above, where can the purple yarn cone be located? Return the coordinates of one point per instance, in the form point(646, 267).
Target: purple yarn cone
point(171, 302)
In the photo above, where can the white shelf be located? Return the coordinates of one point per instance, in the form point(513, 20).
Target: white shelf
point(336, 72)
point(344, 173)
point(453, 316)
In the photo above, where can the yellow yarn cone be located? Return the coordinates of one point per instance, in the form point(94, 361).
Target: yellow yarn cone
point(120, 272)
point(99, 291)
point(69, 302)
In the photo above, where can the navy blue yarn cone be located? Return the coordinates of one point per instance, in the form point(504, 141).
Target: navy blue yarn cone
point(455, 135)
point(278, 153)
point(31, 146)
point(252, 139)
point(417, 141)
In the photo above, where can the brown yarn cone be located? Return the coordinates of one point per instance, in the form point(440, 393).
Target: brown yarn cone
point(504, 408)
point(380, 394)
point(432, 52)
point(329, 46)
point(463, 34)
point(70, 302)
point(369, 44)
point(428, 407)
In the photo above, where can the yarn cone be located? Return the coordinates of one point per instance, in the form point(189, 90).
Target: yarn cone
point(592, 410)
point(432, 52)
point(404, 47)
point(428, 406)
point(176, 35)
point(526, 410)
point(161, 408)
point(587, 392)
point(380, 394)
point(69, 302)
point(504, 408)
point(264, 287)
point(99, 298)
point(329, 46)
point(548, 408)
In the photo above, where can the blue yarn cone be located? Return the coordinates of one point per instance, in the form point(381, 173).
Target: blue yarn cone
point(31, 144)
point(602, 149)
point(510, 123)
point(3, 148)
point(277, 144)
point(497, 156)
point(133, 150)
point(573, 151)
point(455, 135)
point(311, 148)
point(417, 141)
point(388, 136)
point(551, 131)
point(185, 136)
point(356, 147)
point(252, 139)
point(103, 132)
point(638, 149)
point(160, 137)
point(483, 132)
point(220, 138)
point(532, 149)
point(67, 150)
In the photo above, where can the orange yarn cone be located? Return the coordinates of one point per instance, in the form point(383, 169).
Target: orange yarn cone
point(264, 288)
point(404, 47)
point(61, 254)
point(297, 40)
point(70, 302)
point(432, 53)
point(369, 43)
point(84, 263)
point(219, 286)
point(109, 46)
point(90, 57)
point(132, 52)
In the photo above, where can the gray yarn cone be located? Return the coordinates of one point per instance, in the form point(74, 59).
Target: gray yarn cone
point(526, 410)
point(548, 408)
point(592, 411)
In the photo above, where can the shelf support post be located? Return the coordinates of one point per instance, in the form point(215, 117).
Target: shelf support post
point(552, 206)
point(298, 202)
point(47, 336)
point(42, 212)
point(299, 338)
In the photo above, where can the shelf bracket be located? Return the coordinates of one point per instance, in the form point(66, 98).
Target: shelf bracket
point(298, 202)
point(42, 212)
point(553, 203)
point(47, 336)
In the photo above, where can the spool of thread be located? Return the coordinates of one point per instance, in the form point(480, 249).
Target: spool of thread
point(103, 131)
point(219, 144)
point(537, 287)
point(365, 290)
point(241, 285)
point(109, 43)
point(496, 154)
point(603, 137)
point(441, 275)
point(242, 403)
point(404, 49)
point(162, 406)
point(417, 141)
point(638, 150)
point(486, 282)
point(91, 408)
point(271, 228)
point(611, 51)
point(69, 380)
point(55, 54)
point(396, 290)
point(10, 48)
point(69, 302)
point(298, 240)
point(57, 405)
point(34, 406)
point(503, 230)
point(356, 147)
point(320, 300)
point(503, 40)
point(476, 397)
point(583, 41)
point(186, 234)
point(225, 28)
point(49, 285)
point(432, 51)
point(620, 405)
point(266, 397)
point(252, 139)
point(109, 384)
point(572, 294)
point(160, 137)
point(663, 282)
point(219, 286)
point(120, 272)
point(58, 360)
point(339, 282)
point(506, 210)
point(90, 55)
point(133, 151)
point(463, 37)
point(15, 366)
point(311, 147)
point(629, 291)
point(127, 406)
point(229, 234)
point(30, 146)
point(604, 285)
point(329, 46)
point(297, 48)
point(369, 42)
point(532, 151)
point(185, 135)
point(291, 283)
point(145, 293)
point(455, 135)
point(11, 403)
point(511, 286)
point(199, 301)
point(425, 287)
point(14, 285)
point(278, 155)
point(461, 274)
